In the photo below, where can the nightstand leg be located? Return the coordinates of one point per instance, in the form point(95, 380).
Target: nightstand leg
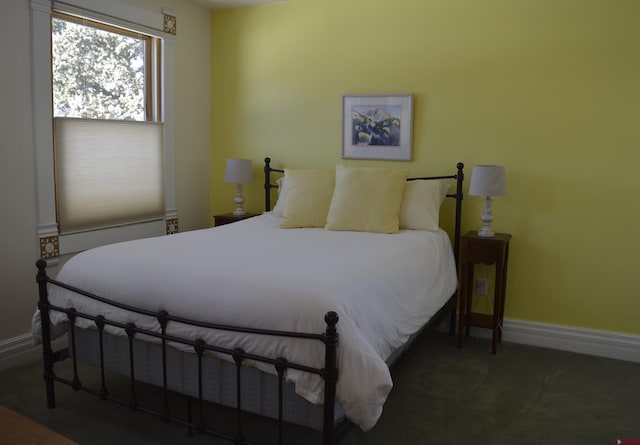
point(495, 325)
point(499, 309)
point(499, 299)
point(452, 319)
point(469, 284)
point(503, 282)
point(461, 319)
point(462, 304)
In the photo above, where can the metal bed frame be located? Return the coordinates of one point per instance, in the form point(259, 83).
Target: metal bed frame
point(331, 433)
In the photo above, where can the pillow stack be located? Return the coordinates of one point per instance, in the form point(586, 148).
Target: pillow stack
point(363, 199)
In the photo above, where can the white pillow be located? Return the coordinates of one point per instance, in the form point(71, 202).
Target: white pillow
point(278, 209)
point(420, 209)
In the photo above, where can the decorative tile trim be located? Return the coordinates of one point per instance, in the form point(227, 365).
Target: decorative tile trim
point(49, 247)
point(172, 226)
point(170, 24)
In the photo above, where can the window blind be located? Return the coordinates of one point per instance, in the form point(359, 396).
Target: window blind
point(108, 173)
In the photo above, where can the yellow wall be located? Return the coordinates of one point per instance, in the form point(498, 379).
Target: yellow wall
point(549, 88)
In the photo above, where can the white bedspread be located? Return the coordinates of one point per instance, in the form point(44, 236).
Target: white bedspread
point(253, 273)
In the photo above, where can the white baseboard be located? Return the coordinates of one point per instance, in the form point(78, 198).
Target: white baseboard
point(20, 350)
point(584, 341)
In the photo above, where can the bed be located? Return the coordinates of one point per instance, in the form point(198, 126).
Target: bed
point(301, 326)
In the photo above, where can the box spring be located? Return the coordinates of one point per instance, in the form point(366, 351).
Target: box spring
point(259, 389)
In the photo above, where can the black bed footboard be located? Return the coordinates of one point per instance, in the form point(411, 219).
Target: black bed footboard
point(329, 373)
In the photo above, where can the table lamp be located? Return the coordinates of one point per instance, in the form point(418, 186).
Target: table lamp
point(488, 181)
point(239, 171)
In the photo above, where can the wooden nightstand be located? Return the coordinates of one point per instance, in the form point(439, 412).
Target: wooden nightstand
point(228, 218)
point(476, 250)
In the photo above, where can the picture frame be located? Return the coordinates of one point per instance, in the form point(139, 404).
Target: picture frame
point(377, 126)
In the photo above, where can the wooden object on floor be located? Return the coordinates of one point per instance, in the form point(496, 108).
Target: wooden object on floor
point(488, 250)
point(16, 429)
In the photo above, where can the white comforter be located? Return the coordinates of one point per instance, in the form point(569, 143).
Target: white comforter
point(253, 273)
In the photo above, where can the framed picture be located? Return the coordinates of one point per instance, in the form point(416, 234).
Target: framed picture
point(377, 127)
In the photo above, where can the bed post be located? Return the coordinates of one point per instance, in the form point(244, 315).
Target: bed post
point(47, 352)
point(459, 196)
point(267, 184)
point(330, 376)
point(456, 238)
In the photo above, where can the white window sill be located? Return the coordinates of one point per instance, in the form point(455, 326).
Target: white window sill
point(77, 242)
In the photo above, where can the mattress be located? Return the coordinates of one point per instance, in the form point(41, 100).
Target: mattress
point(254, 274)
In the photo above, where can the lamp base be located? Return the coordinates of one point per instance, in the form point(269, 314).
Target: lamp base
point(239, 200)
point(486, 233)
point(486, 218)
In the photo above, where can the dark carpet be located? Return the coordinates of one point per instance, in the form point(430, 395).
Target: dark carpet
point(441, 395)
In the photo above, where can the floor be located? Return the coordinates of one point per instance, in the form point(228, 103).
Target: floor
point(442, 395)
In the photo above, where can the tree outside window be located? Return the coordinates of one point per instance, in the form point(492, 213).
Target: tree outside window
point(97, 73)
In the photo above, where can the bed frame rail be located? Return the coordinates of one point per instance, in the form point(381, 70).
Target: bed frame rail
point(329, 372)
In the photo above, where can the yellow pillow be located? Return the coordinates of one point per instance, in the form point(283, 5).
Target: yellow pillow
point(366, 199)
point(307, 198)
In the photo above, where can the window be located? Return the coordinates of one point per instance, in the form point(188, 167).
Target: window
point(104, 128)
point(104, 72)
point(108, 151)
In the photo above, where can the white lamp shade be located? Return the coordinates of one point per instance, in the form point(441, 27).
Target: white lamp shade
point(488, 180)
point(239, 171)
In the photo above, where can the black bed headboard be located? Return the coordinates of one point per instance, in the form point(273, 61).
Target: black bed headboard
point(458, 196)
point(267, 182)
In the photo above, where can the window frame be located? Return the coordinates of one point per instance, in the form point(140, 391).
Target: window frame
point(52, 244)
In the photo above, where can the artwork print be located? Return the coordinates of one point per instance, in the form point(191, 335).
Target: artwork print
point(377, 127)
